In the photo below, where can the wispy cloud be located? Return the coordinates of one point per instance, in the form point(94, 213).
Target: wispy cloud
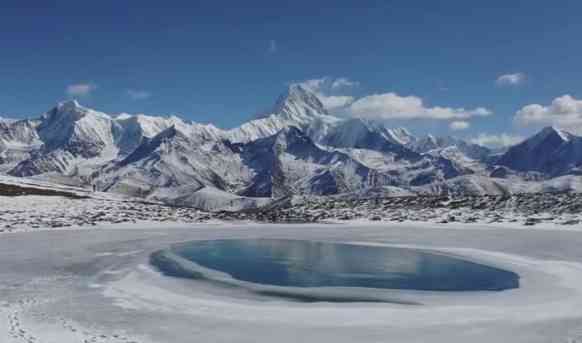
point(343, 82)
point(136, 94)
point(514, 79)
point(80, 89)
point(272, 46)
point(459, 125)
point(327, 90)
point(497, 141)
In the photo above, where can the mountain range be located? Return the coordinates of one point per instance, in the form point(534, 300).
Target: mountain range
point(299, 148)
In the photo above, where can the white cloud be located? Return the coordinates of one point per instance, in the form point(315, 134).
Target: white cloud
point(332, 93)
point(394, 106)
point(80, 89)
point(511, 79)
point(343, 82)
point(272, 46)
point(329, 84)
point(315, 85)
point(136, 94)
point(333, 102)
point(497, 141)
point(326, 90)
point(459, 125)
point(564, 111)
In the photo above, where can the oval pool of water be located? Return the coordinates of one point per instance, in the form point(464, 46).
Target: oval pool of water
point(309, 264)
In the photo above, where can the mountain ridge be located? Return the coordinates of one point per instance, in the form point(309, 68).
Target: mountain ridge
point(299, 148)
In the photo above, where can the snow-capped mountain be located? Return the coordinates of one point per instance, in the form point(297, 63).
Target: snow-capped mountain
point(132, 130)
point(298, 148)
point(18, 139)
point(75, 141)
point(433, 144)
point(74, 138)
point(289, 162)
point(551, 152)
point(362, 134)
point(298, 107)
point(176, 157)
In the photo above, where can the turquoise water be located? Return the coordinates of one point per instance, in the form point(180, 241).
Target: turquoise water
point(296, 263)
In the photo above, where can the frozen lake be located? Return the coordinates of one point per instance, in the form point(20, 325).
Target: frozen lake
point(98, 286)
point(304, 263)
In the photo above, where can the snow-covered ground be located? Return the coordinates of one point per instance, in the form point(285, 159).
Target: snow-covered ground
point(40, 209)
point(27, 204)
point(97, 286)
point(37, 212)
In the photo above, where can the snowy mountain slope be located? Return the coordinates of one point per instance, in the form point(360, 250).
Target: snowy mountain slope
point(175, 157)
point(362, 134)
point(206, 198)
point(75, 141)
point(299, 148)
point(400, 136)
point(289, 162)
point(131, 130)
point(18, 140)
point(552, 152)
point(480, 185)
point(297, 107)
point(430, 143)
point(76, 128)
point(376, 192)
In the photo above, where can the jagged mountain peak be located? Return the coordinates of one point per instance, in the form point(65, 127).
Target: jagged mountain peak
point(354, 128)
point(431, 138)
point(283, 138)
point(71, 110)
point(551, 132)
point(298, 106)
point(68, 104)
point(296, 149)
point(148, 125)
point(401, 135)
point(291, 134)
point(299, 101)
point(350, 133)
point(299, 91)
point(551, 152)
point(69, 107)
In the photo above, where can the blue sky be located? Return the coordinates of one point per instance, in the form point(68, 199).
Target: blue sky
point(223, 61)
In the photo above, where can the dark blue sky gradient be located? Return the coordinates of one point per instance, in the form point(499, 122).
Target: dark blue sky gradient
point(210, 60)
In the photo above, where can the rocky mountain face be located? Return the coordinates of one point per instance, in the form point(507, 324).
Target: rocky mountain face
point(73, 137)
point(551, 152)
point(298, 148)
point(298, 107)
point(18, 139)
point(431, 144)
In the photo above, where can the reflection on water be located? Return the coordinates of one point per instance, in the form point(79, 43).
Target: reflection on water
point(295, 263)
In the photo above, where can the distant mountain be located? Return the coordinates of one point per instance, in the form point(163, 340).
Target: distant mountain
point(362, 134)
point(433, 144)
point(289, 162)
point(551, 152)
point(297, 148)
point(73, 138)
point(18, 140)
point(176, 157)
point(298, 107)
